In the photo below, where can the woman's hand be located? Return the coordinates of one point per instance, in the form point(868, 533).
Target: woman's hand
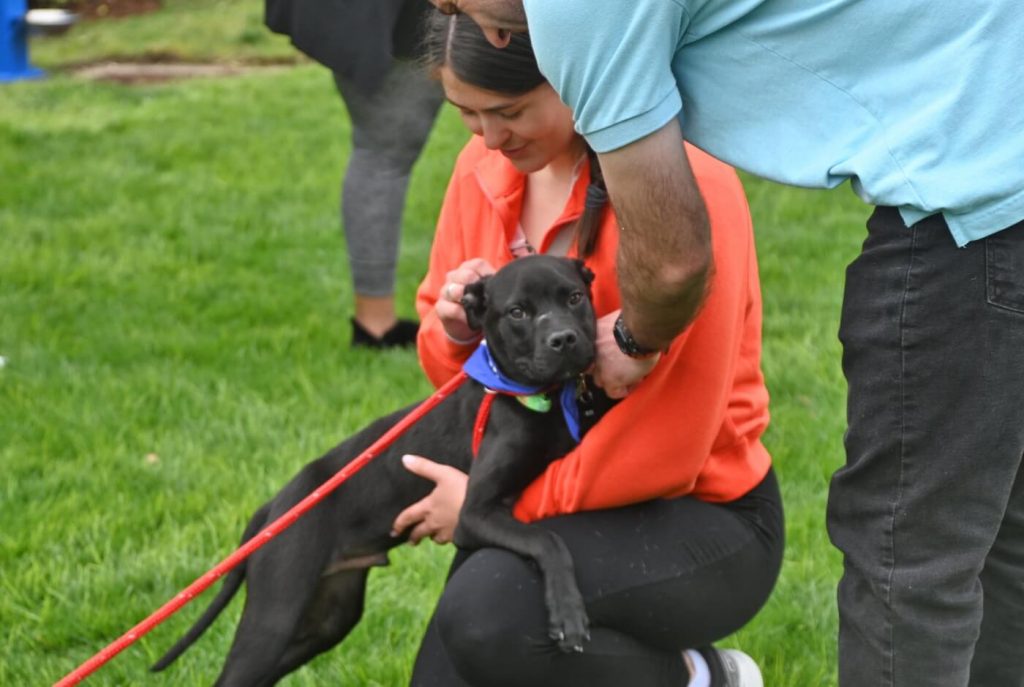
point(449, 308)
point(614, 371)
point(436, 515)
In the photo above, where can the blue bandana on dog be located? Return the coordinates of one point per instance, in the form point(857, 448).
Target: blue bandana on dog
point(481, 367)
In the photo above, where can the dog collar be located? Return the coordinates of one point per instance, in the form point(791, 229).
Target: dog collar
point(481, 367)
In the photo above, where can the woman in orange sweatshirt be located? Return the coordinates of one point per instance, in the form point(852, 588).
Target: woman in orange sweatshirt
point(668, 503)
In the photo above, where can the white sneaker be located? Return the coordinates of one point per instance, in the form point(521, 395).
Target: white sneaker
point(740, 669)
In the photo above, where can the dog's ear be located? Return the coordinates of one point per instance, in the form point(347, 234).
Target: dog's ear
point(585, 272)
point(474, 302)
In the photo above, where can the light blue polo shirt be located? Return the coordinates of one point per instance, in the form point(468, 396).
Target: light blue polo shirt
point(919, 104)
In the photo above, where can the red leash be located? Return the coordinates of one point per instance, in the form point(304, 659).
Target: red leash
point(482, 415)
point(265, 535)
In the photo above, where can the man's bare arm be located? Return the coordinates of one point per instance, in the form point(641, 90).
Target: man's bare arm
point(664, 257)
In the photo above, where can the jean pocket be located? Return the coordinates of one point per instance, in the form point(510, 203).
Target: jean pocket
point(1004, 268)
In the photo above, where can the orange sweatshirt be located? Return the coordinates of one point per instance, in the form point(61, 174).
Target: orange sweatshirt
point(693, 426)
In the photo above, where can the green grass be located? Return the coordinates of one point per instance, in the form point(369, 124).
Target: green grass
point(173, 282)
point(192, 30)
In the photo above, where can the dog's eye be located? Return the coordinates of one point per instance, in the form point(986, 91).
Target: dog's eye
point(576, 298)
point(516, 313)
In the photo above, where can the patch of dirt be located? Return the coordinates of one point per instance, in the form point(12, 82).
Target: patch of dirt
point(156, 72)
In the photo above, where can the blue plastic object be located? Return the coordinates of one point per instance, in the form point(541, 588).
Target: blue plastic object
point(14, 64)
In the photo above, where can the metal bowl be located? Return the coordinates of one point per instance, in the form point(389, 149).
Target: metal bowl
point(49, 22)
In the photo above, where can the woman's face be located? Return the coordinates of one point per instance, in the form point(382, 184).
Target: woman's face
point(530, 130)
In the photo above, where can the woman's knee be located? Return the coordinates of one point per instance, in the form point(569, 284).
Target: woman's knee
point(470, 634)
point(492, 605)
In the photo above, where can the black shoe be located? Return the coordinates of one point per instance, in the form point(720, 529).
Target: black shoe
point(402, 335)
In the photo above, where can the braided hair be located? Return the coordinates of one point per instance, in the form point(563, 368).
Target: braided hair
point(456, 42)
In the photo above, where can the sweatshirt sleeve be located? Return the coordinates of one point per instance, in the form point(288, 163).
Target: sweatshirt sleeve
point(440, 357)
point(656, 441)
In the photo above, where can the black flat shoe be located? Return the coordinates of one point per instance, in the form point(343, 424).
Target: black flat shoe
point(402, 335)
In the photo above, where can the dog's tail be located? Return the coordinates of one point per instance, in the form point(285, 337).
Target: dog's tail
point(232, 582)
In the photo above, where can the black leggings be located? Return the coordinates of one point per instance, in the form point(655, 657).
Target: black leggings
point(657, 577)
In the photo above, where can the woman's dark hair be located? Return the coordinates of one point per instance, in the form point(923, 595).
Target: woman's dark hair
point(456, 42)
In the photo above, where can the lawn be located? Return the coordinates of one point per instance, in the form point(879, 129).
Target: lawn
point(174, 303)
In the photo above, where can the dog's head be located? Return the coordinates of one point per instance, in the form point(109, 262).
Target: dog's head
point(537, 318)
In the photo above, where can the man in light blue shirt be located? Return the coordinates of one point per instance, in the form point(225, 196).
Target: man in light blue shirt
point(918, 105)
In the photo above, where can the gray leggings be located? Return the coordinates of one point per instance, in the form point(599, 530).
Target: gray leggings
point(389, 129)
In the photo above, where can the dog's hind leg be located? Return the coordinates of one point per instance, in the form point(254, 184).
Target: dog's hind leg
point(331, 615)
point(263, 635)
point(258, 659)
point(281, 580)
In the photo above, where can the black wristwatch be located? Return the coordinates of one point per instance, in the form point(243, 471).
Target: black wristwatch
point(627, 344)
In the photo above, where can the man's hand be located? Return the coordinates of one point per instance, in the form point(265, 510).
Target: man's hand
point(436, 515)
point(614, 371)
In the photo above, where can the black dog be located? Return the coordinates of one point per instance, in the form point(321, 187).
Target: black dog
point(306, 588)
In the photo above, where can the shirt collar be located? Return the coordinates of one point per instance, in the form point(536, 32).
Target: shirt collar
point(504, 186)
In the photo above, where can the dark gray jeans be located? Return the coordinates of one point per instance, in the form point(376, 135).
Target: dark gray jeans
point(929, 509)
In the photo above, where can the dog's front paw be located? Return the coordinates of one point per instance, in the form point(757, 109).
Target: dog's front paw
point(568, 624)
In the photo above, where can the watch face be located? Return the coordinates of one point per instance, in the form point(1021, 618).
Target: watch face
point(626, 343)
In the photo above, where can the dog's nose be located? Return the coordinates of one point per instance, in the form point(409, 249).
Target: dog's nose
point(562, 340)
